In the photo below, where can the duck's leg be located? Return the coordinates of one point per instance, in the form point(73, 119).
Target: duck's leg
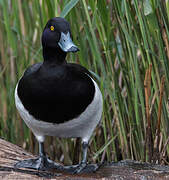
point(84, 166)
point(40, 163)
point(79, 167)
point(83, 163)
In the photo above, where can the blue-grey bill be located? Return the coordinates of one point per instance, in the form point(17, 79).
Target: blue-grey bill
point(66, 43)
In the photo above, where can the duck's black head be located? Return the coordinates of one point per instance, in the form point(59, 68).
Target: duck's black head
point(56, 39)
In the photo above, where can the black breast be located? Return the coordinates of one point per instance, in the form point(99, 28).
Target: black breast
point(56, 93)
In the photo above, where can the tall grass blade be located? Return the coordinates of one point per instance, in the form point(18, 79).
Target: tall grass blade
point(71, 4)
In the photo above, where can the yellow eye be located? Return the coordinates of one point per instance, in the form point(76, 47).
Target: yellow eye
point(52, 28)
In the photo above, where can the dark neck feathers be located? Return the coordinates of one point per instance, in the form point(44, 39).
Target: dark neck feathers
point(54, 55)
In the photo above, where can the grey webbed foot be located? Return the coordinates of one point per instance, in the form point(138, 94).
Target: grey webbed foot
point(86, 168)
point(40, 163)
point(81, 168)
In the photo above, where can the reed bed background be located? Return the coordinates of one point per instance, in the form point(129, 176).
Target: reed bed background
point(125, 44)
